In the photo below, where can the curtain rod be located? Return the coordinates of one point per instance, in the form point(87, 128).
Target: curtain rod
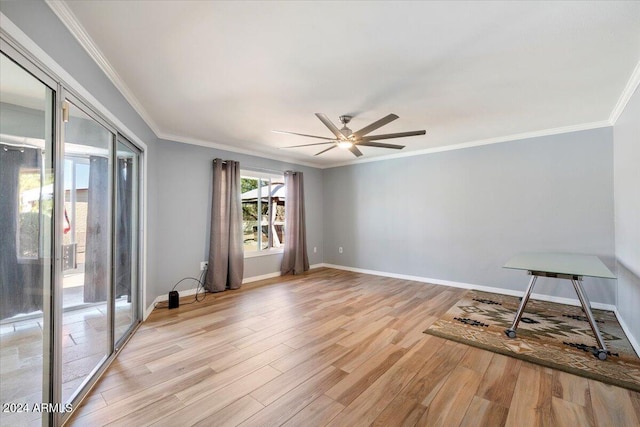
point(257, 169)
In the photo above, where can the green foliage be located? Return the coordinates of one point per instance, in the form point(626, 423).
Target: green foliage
point(247, 184)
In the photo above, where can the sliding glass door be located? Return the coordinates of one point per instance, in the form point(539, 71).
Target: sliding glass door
point(26, 212)
point(126, 296)
point(69, 244)
point(86, 248)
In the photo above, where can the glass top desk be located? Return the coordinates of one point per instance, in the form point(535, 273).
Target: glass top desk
point(561, 266)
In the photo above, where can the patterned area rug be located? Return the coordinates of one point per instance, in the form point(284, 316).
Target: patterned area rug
point(549, 334)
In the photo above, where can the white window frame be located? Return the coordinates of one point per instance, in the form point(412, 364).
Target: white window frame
point(270, 177)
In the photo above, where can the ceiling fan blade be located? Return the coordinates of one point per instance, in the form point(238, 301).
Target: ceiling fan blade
point(377, 144)
point(299, 134)
point(309, 145)
point(393, 135)
point(324, 151)
point(355, 151)
point(328, 123)
point(375, 125)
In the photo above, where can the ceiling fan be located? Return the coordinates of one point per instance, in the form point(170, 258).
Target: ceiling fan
point(346, 139)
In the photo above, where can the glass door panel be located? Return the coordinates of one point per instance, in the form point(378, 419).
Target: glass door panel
point(86, 285)
point(126, 243)
point(26, 212)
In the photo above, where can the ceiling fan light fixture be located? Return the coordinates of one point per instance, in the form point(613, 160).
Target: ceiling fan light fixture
point(348, 140)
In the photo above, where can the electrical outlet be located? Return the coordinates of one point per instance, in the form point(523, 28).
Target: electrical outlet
point(203, 265)
point(340, 249)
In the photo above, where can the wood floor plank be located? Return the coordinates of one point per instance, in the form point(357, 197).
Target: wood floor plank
point(147, 415)
point(365, 350)
point(372, 401)
point(531, 403)
point(188, 355)
point(568, 414)
point(289, 404)
point(290, 379)
point(499, 380)
point(365, 332)
point(366, 374)
point(484, 413)
point(232, 414)
point(317, 413)
point(612, 406)
point(319, 331)
point(571, 388)
point(311, 350)
point(409, 406)
point(336, 348)
point(477, 360)
point(210, 403)
point(143, 399)
point(452, 400)
point(234, 373)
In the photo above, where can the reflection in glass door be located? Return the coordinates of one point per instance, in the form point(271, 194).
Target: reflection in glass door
point(86, 332)
point(126, 240)
point(26, 210)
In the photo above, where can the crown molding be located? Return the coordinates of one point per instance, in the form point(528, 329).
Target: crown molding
point(626, 95)
point(232, 149)
point(489, 141)
point(67, 17)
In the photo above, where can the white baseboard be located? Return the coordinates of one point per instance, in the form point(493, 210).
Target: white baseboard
point(272, 275)
point(165, 297)
point(261, 277)
point(542, 297)
point(188, 292)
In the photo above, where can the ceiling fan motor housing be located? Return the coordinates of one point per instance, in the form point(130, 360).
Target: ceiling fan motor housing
point(345, 130)
point(345, 119)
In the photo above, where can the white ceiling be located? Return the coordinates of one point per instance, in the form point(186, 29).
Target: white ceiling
point(227, 73)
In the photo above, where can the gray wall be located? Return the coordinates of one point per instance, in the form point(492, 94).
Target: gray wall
point(626, 137)
point(460, 215)
point(181, 234)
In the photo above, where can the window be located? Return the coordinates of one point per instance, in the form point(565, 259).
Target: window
point(262, 212)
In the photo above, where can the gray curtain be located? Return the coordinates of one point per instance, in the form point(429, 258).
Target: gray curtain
point(124, 194)
point(226, 258)
point(96, 267)
point(295, 259)
point(20, 278)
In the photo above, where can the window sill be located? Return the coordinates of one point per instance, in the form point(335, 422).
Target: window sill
point(254, 254)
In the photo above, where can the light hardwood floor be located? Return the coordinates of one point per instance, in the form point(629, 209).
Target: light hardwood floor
point(333, 348)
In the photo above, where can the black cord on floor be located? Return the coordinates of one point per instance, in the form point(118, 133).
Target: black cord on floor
point(200, 282)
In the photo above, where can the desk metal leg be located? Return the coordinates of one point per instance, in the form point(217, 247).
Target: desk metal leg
point(511, 332)
point(600, 353)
